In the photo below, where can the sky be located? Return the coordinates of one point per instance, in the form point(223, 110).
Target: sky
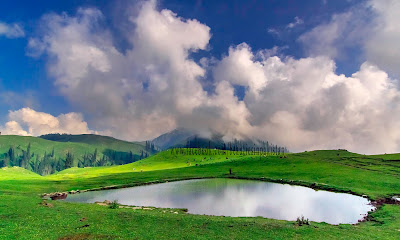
point(318, 74)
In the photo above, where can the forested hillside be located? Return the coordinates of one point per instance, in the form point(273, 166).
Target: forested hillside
point(46, 157)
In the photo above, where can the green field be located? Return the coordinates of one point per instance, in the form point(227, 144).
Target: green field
point(48, 156)
point(85, 144)
point(23, 215)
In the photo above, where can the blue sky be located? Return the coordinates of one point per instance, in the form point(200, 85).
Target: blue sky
point(339, 35)
point(231, 23)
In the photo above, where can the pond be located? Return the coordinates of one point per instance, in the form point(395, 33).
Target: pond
point(240, 198)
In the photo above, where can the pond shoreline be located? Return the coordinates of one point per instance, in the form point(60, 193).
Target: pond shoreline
point(315, 186)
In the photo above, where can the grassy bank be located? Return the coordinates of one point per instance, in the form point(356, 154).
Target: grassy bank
point(23, 216)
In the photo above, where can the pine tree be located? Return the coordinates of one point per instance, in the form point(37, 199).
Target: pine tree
point(94, 158)
point(69, 161)
point(35, 164)
point(103, 161)
point(11, 156)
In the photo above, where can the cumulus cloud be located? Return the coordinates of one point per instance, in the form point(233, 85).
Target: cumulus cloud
point(13, 30)
point(343, 31)
point(371, 26)
point(305, 105)
point(382, 47)
point(28, 122)
point(156, 86)
point(142, 90)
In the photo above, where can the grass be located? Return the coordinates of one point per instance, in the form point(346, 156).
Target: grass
point(161, 161)
point(24, 216)
point(82, 144)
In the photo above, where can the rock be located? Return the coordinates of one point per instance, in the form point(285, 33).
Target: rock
point(45, 196)
point(58, 196)
point(72, 192)
point(107, 202)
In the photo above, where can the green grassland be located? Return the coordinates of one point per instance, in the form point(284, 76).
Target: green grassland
point(23, 215)
point(101, 142)
point(78, 148)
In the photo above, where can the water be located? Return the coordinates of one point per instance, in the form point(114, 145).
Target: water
point(239, 198)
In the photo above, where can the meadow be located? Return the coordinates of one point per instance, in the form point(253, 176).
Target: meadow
point(24, 215)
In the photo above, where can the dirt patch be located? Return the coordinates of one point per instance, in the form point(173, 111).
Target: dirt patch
point(46, 204)
point(382, 201)
point(378, 204)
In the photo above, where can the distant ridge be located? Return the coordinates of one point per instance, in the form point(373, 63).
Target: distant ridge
point(87, 138)
point(181, 137)
point(176, 137)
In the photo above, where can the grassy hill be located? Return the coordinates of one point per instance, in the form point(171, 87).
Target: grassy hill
point(161, 161)
point(80, 146)
point(24, 215)
point(99, 141)
point(17, 173)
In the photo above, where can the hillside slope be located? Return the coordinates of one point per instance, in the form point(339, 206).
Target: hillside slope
point(161, 161)
point(97, 140)
point(14, 151)
point(176, 137)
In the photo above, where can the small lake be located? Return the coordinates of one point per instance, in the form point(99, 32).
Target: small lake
point(239, 198)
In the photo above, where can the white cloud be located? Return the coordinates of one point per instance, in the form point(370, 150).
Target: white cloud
point(155, 86)
point(109, 84)
point(28, 122)
point(382, 46)
point(303, 104)
point(274, 31)
point(13, 30)
point(331, 39)
point(371, 26)
point(297, 21)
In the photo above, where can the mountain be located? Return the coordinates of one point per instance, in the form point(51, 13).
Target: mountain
point(174, 138)
point(181, 137)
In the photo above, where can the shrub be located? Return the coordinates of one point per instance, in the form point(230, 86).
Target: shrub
point(114, 204)
point(302, 221)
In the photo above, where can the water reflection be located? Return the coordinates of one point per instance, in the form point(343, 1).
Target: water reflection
point(240, 198)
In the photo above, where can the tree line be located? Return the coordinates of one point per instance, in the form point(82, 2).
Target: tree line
point(237, 145)
point(48, 163)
